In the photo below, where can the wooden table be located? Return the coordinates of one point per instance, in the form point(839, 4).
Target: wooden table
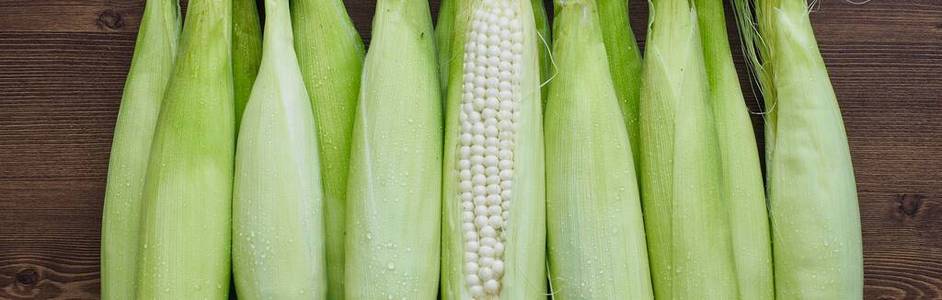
point(63, 64)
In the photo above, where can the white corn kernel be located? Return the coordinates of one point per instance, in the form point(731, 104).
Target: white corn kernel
point(488, 116)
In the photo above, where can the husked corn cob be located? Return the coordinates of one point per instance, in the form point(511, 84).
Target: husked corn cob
point(151, 67)
point(394, 195)
point(444, 34)
point(330, 54)
point(494, 222)
point(595, 230)
point(185, 231)
point(278, 221)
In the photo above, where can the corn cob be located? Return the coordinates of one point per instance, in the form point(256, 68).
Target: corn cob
point(811, 188)
point(494, 222)
point(394, 195)
point(685, 215)
point(624, 63)
point(595, 230)
point(742, 185)
point(147, 79)
point(330, 54)
point(445, 37)
point(185, 233)
point(246, 52)
point(278, 222)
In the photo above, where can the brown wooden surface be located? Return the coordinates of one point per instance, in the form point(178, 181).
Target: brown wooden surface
point(62, 68)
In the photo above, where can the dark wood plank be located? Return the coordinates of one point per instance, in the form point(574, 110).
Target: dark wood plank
point(70, 16)
point(903, 21)
point(58, 97)
point(62, 68)
point(49, 253)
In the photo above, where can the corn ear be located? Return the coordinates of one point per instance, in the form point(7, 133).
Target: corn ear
point(444, 34)
point(246, 52)
point(685, 215)
point(595, 229)
point(330, 54)
point(811, 189)
point(277, 221)
point(151, 67)
point(185, 232)
point(742, 185)
point(394, 195)
point(624, 63)
point(493, 188)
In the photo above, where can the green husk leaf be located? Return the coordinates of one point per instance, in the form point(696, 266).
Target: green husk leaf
point(811, 187)
point(595, 229)
point(624, 63)
point(330, 54)
point(742, 178)
point(185, 233)
point(278, 246)
point(524, 255)
point(394, 195)
point(151, 68)
point(246, 52)
point(685, 214)
point(444, 38)
point(544, 43)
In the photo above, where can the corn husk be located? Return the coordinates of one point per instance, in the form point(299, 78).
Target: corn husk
point(330, 54)
point(246, 52)
point(278, 241)
point(594, 225)
point(685, 214)
point(624, 63)
point(544, 44)
point(151, 67)
point(185, 232)
point(444, 38)
point(394, 189)
point(811, 188)
point(742, 186)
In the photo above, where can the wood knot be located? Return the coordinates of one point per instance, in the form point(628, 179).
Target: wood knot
point(908, 205)
point(110, 19)
point(27, 277)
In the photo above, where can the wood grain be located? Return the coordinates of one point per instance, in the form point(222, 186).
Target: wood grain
point(62, 68)
point(71, 16)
